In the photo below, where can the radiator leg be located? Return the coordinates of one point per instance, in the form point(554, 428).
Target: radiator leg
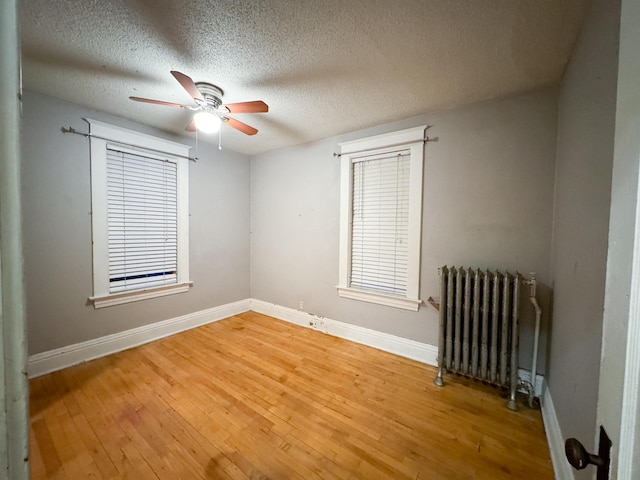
point(511, 403)
point(438, 380)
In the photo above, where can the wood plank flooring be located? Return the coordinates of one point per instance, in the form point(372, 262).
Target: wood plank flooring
point(255, 397)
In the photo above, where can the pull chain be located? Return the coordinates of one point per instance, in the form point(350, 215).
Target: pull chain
point(197, 152)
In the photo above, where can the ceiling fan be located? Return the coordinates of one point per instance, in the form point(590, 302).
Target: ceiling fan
point(210, 111)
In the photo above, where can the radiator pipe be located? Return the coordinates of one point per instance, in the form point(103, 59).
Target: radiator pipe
point(534, 362)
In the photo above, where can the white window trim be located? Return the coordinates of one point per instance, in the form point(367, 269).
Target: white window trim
point(411, 139)
point(175, 151)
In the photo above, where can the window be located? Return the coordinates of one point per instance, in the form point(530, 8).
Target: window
point(380, 218)
point(140, 219)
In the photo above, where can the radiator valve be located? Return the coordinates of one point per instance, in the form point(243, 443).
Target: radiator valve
point(532, 282)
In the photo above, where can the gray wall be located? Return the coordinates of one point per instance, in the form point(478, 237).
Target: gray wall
point(488, 195)
point(587, 105)
point(57, 230)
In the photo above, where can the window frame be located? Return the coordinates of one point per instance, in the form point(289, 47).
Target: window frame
point(411, 139)
point(102, 135)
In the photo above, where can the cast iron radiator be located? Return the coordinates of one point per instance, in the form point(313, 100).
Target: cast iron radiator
point(479, 314)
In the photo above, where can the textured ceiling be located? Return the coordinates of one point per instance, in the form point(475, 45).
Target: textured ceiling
point(325, 67)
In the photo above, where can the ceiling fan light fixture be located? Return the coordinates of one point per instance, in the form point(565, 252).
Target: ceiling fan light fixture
point(207, 122)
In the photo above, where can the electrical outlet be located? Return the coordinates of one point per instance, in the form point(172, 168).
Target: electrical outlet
point(300, 305)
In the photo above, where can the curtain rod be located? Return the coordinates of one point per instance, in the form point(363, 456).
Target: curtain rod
point(89, 135)
point(424, 140)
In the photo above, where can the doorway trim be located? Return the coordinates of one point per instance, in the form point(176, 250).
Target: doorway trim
point(628, 416)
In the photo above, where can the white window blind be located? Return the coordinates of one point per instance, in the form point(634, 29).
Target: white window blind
point(380, 223)
point(142, 220)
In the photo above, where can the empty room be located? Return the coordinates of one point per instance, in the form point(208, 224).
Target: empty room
point(331, 239)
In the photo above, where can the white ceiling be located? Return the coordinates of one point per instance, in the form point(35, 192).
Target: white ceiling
point(324, 67)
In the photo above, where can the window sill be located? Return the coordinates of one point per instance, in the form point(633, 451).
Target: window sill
point(135, 296)
point(372, 297)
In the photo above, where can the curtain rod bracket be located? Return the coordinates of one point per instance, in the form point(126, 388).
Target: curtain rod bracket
point(73, 130)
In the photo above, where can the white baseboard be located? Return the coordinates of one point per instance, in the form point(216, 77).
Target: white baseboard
point(561, 467)
point(46, 362)
point(404, 347)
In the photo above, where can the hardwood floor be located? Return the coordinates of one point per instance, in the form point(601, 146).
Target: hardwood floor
point(255, 397)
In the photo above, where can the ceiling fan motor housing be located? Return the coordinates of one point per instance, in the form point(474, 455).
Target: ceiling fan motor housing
point(212, 94)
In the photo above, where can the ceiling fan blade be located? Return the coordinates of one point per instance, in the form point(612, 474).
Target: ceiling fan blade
point(188, 85)
point(257, 106)
point(192, 126)
point(242, 127)
point(157, 102)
